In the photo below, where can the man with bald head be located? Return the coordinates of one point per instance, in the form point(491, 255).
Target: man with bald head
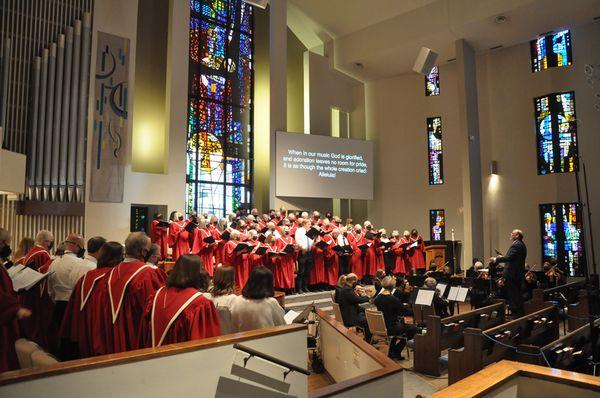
point(514, 272)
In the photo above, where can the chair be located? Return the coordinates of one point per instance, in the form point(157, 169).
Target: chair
point(24, 349)
point(225, 320)
point(376, 323)
point(41, 358)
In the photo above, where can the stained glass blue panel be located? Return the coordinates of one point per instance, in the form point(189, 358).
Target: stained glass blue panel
point(435, 151)
point(551, 51)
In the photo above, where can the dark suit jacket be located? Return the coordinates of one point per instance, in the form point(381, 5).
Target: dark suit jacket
point(515, 261)
point(349, 302)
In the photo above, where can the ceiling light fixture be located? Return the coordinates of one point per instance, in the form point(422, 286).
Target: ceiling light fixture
point(358, 65)
point(500, 19)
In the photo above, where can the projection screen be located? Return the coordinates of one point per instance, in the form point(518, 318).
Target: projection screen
point(317, 166)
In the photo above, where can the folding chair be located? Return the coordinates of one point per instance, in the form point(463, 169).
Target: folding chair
point(376, 323)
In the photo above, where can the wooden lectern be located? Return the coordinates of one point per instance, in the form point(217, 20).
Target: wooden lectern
point(436, 254)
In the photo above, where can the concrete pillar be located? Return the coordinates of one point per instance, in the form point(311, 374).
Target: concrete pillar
point(471, 156)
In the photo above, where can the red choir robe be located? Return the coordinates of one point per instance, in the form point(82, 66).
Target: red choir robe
point(370, 257)
point(9, 327)
point(39, 326)
point(417, 254)
point(160, 236)
point(317, 273)
point(175, 315)
point(283, 274)
point(400, 266)
point(204, 250)
point(357, 264)
point(129, 285)
point(379, 256)
point(238, 261)
point(179, 239)
point(83, 323)
point(256, 260)
point(331, 261)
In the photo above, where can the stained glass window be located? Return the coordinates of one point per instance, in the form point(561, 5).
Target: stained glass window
point(437, 224)
point(432, 82)
point(219, 136)
point(562, 236)
point(556, 130)
point(434, 145)
point(551, 51)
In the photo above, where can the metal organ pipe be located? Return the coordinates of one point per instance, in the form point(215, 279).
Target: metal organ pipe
point(33, 127)
point(73, 111)
point(56, 133)
point(39, 167)
point(49, 120)
point(86, 36)
point(64, 125)
point(4, 94)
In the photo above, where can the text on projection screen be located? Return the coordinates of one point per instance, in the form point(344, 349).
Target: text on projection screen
point(317, 166)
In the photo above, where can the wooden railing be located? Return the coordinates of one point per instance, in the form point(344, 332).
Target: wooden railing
point(482, 383)
point(388, 366)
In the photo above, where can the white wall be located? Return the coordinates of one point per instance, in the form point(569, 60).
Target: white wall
point(112, 219)
point(189, 374)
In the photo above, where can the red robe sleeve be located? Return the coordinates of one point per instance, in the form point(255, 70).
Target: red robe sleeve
point(204, 321)
point(9, 304)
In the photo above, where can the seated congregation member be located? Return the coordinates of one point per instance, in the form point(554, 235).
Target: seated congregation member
point(10, 310)
point(36, 299)
point(349, 297)
point(179, 312)
point(256, 308)
point(340, 284)
point(129, 285)
point(84, 328)
point(440, 304)
point(222, 293)
point(393, 311)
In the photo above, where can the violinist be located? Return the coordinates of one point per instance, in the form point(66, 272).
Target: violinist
point(349, 297)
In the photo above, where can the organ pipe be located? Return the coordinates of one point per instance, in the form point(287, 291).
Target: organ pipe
point(56, 132)
point(86, 36)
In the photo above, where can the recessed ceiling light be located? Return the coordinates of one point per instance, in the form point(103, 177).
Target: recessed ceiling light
point(500, 19)
point(496, 47)
point(358, 65)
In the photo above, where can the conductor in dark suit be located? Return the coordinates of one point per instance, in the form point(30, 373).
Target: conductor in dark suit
point(514, 272)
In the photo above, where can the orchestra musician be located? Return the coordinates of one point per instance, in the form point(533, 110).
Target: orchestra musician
point(513, 275)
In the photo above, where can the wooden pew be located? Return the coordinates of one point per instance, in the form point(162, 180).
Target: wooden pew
point(578, 313)
point(538, 328)
point(448, 333)
point(540, 297)
point(578, 345)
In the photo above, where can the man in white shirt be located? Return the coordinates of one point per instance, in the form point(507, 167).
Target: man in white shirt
point(93, 251)
point(305, 262)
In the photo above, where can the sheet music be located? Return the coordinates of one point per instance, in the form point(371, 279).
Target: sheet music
point(453, 293)
point(462, 294)
point(26, 278)
point(424, 297)
point(290, 316)
point(12, 271)
point(441, 287)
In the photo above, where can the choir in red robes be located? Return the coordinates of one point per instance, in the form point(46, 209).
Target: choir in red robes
point(317, 273)
point(331, 261)
point(179, 239)
point(370, 257)
point(283, 273)
point(9, 327)
point(238, 261)
point(416, 255)
point(160, 236)
point(38, 326)
point(356, 260)
point(203, 249)
point(129, 285)
point(83, 323)
point(400, 266)
point(175, 315)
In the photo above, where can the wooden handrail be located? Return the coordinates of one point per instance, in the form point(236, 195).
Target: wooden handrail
point(481, 383)
point(270, 358)
point(389, 367)
point(103, 361)
point(566, 286)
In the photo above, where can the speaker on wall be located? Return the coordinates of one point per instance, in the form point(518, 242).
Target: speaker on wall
point(258, 3)
point(425, 61)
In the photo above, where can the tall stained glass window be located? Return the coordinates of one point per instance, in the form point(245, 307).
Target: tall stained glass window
point(437, 224)
point(556, 130)
point(562, 236)
point(432, 82)
point(551, 51)
point(434, 145)
point(219, 136)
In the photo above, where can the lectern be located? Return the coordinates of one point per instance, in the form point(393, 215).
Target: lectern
point(435, 254)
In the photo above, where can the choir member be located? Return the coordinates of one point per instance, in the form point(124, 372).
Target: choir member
point(220, 249)
point(155, 255)
point(331, 259)
point(400, 261)
point(405, 242)
point(159, 235)
point(356, 239)
point(222, 293)
point(286, 263)
point(179, 237)
point(370, 253)
point(416, 252)
point(38, 326)
point(305, 263)
point(179, 312)
point(10, 309)
point(344, 257)
point(393, 315)
point(93, 251)
point(84, 329)
point(193, 218)
point(204, 246)
point(235, 258)
point(25, 245)
point(255, 259)
point(129, 285)
point(318, 278)
point(257, 309)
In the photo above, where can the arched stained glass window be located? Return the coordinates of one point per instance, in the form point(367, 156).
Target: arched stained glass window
point(220, 135)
